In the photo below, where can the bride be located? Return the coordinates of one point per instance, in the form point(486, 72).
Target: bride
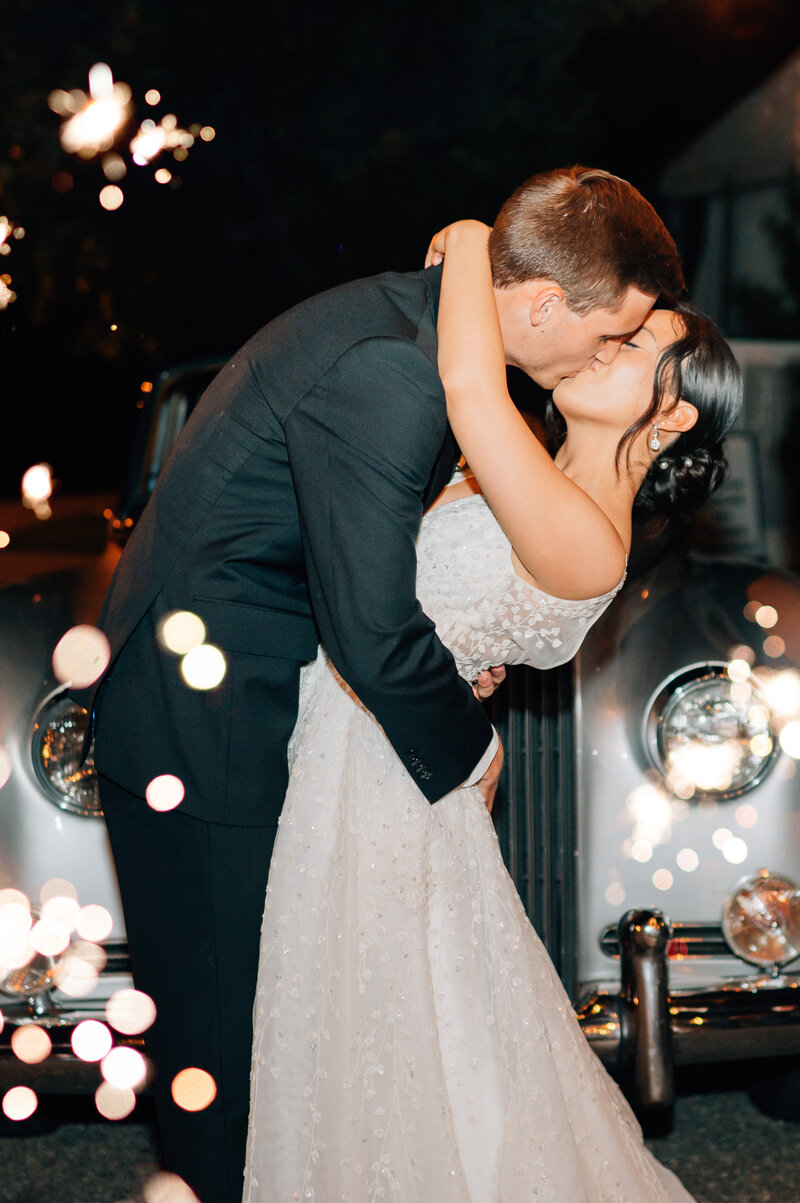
point(413, 1042)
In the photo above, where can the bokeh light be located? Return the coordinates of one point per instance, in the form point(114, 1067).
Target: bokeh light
point(49, 937)
point(203, 667)
point(124, 1068)
point(111, 197)
point(735, 850)
point(687, 859)
point(165, 792)
point(746, 815)
point(738, 670)
point(130, 1011)
point(91, 1040)
point(31, 1044)
point(81, 656)
point(5, 538)
point(95, 923)
point(790, 739)
point(615, 893)
point(37, 485)
point(766, 616)
point(180, 631)
point(152, 96)
point(774, 647)
point(19, 1103)
point(662, 879)
point(193, 1089)
point(114, 1102)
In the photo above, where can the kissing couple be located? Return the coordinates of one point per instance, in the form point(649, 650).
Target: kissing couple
point(408, 1037)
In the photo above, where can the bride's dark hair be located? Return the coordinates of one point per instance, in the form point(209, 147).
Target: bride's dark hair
point(699, 367)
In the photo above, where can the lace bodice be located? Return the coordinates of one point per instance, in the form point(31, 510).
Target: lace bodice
point(484, 613)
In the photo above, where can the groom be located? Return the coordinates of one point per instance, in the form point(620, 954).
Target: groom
point(286, 516)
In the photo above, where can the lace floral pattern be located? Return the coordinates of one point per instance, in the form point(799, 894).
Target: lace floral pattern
point(413, 1042)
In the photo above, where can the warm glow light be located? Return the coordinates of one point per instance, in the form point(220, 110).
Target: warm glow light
point(641, 851)
point(766, 616)
point(37, 485)
point(615, 893)
point(111, 197)
point(203, 667)
point(130, 1011)
point(652, 814)
point(782, 690)
point(95, 923)
point(112, 1102)
point(721, 836)
point(761, 745)
point(165, 792)
point(180, 631)
point(163, 175)
point(91, 1040)
point(31, 1044)
point(687, 859)
point(774, 647)
point(742, 652)
point(49, 937)
point(709, 766)
point(81, 656)
point(790, 739)
point(124, 1068)
point(76, 975)
point(751, 609)
point(746, 815)
point(92, 122)
point(19, 1103)
point(738, 670)
point(152, 95)
point(193, 1089)
point(5, 538)
point(735, 850)
point(208, 133)
point(662, 879)
point(63, 911)
point(114, 168)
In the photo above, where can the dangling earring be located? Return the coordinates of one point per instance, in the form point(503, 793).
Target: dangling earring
point(655, 442)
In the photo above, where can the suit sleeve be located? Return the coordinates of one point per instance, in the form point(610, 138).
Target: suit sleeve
point(361, 447)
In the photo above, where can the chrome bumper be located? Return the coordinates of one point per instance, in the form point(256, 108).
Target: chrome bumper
point(643, 1031)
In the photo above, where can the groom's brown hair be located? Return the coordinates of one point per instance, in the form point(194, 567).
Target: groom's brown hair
point(591, 232)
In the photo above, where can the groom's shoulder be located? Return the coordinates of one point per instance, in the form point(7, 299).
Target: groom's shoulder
point(392, 304)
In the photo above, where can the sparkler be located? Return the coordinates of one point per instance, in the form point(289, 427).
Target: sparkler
point(95, 122)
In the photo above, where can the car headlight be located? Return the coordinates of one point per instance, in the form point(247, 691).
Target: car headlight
point(708, 735)
point(58, 731)
point(761, 920)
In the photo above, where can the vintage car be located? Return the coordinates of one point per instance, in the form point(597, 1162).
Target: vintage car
point(649, 813)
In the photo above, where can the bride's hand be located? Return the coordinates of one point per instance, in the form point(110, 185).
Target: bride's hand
point(438, 244)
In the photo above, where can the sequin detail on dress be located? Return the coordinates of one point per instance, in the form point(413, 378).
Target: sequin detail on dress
point(413, 1042)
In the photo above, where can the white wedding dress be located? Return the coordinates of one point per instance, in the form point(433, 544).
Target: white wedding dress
point(413, 1042)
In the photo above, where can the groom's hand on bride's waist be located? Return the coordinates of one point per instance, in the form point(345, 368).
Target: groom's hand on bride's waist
point(487, 681)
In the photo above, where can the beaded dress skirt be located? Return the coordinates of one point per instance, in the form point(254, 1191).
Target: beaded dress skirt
point(413, 1042)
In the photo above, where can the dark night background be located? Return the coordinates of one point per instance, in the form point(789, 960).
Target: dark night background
point(345, 135)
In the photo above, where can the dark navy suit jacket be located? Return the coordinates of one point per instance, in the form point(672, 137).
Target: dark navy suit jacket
point(286, 515)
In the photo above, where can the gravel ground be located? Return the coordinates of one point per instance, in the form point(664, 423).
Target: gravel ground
point(723, 1148)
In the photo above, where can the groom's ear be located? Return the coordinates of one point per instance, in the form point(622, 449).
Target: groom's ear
point(545, 297)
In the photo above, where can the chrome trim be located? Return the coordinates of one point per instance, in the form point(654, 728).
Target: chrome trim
point(643, 1013)
point(688, 940)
